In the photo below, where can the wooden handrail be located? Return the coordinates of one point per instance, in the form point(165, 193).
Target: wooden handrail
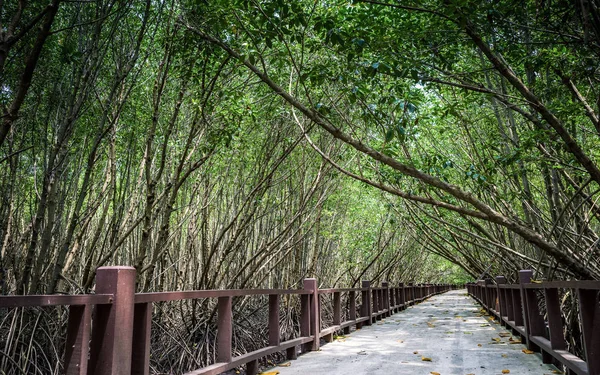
point(517, 307)
point(120, 340)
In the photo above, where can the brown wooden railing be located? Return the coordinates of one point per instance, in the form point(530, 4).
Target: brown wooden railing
point(113, 326)
point(517, 307)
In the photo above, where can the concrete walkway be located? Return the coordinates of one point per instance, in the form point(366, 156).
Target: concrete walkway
point(446, 334)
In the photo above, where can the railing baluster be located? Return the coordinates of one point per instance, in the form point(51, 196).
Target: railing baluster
point(534, 322)
point(557, 336)
point(274, 339)
point(337, 309)
point(375, 307)
point(315, 316)
point(501, 280)
point(252, 367)
point(589, 313)
point(142, 322)
point(78, 340)
point(367, 308)
point(352, 309)
point(224, 329)
point(402, 296)
point(305, 319)
point(517, 307)
point(386, 298)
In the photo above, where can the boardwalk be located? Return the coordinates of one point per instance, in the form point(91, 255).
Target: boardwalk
point(448, 329)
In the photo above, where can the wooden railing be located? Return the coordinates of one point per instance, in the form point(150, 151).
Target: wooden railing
point(517, 307)
point(113, 327)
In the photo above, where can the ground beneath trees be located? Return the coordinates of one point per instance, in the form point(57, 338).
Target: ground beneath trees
point(447, 334)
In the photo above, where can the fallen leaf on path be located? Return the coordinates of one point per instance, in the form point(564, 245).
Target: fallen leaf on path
point(527, 351)
point(504, 334)
point(270, 373)
point(434, 373)
point(415, 352)
point(479, 345)
point(506, 371)
point(504, 355)
point(287, 364)
point(426, 359)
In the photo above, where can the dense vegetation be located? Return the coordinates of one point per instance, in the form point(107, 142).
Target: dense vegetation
point(252, 143)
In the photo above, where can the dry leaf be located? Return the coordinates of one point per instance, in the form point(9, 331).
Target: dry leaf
point(504, 355)
point(506, 371)
point(479, 345)
point(527, 351)
point(415, 352)
point(434, 373)
point(497, 339)
point(426, 359)
point(504, 334)
point(515, 342)
point(270, 373)
point(287, 364)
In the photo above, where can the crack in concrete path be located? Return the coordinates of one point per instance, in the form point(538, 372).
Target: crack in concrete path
point(448, 329)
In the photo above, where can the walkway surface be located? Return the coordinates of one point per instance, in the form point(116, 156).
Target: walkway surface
point(446, 334)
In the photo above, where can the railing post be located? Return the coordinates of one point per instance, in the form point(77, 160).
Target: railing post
point(112, 331)
point(315, 315)
point(367, 308)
